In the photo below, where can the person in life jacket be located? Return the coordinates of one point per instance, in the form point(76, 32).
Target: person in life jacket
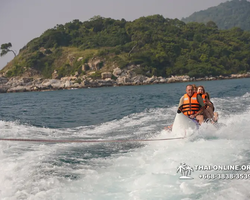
point(201, 91)
point(195, 88)
point(191, 104)
point(209, 106)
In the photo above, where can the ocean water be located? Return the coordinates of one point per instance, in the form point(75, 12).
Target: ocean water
point(121, 170)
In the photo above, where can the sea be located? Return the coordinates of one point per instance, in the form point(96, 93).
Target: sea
point(123, 151)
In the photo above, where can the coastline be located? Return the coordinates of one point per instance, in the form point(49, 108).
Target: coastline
point(21, 84)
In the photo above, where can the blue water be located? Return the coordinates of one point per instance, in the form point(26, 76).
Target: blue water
point(83, 107)
point(131, 170)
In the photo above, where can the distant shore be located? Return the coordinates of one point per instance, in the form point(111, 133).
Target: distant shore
point(21, 84)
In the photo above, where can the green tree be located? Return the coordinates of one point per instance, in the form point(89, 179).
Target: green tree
point(6, 48)
point(157, 45)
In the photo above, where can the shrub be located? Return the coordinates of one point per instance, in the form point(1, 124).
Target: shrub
point(96, 75)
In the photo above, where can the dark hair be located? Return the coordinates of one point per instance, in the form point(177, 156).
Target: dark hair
point(194, 86)
point(207, 95)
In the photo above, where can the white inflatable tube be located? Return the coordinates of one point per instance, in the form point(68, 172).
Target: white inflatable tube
point(182, 124)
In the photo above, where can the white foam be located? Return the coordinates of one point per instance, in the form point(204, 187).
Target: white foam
point(129, 171)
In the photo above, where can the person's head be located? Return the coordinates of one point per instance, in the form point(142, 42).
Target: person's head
point(194, 88)
point(201, 90)
point(189, 90)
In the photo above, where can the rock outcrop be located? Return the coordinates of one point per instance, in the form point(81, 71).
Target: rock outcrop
point(121, 77)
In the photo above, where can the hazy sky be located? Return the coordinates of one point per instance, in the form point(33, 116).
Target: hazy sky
point(23, 20)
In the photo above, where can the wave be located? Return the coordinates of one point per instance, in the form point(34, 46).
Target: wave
point(139, 170)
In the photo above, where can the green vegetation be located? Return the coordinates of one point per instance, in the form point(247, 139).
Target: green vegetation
point(96, 75)
point(5, 48)
point(161, 46)
point(235, 13)
point(15, 71)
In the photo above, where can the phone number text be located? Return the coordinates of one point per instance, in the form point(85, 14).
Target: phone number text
point(224, 176)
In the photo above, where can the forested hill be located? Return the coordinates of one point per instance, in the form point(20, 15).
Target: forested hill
point(160, 46)
point(235, 13)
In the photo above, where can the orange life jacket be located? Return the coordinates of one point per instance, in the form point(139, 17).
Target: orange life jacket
point(203, 97)
point(190, 105)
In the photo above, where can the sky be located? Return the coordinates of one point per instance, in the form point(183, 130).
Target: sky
point(24, 20)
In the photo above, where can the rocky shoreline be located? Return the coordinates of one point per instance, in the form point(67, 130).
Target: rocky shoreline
point(117, 78)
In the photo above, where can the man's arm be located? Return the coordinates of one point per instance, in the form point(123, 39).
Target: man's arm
point(200, 111)
point(200, 100)
point(180, 104)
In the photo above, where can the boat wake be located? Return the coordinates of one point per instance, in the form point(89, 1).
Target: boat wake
point(131, 170)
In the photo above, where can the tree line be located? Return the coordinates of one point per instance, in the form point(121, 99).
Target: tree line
point(235, 13)
point(161, 46)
